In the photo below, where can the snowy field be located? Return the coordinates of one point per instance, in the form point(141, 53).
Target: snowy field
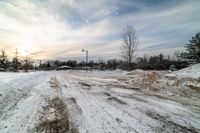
point(99, 102)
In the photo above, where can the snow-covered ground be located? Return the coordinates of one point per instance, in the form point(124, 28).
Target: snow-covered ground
point(192, 71)
point(98, 102)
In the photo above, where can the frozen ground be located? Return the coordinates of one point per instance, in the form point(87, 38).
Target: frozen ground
point(98, 102)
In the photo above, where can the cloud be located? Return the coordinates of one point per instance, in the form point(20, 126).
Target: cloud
point(61, 28)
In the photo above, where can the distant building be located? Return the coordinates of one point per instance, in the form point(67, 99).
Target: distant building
point(64, 68)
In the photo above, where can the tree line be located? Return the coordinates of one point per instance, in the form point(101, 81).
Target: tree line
point(129, 61)
point(16, 63)
point(156, 62)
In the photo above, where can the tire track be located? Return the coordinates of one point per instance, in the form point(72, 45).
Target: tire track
point(98, 110)
point(23, 118)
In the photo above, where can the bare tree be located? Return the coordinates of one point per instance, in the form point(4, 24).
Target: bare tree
point(129, 45)
point(27, 62)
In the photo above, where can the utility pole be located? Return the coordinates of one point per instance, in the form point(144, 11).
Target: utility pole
point(86, 51)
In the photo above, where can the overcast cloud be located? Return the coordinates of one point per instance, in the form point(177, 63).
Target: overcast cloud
point(52, 29)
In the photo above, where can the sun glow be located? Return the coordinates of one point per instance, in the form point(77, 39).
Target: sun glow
point(23, 51)
point(25, 45)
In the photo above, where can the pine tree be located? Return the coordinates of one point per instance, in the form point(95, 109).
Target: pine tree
point(15, 62)
point(193, 49)
point(4, 63)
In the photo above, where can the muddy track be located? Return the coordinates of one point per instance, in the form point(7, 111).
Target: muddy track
point(108, 122)
point(55, 85)
point(55, 118)
point(165, 125)
point(117, 100)
point(169, 126)
point(64, 103)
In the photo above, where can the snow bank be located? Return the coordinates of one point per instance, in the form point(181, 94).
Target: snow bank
point(192, 71)
point(6, 77)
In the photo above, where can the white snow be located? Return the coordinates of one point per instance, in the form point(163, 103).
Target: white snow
point(108, 101)
point(192, 71)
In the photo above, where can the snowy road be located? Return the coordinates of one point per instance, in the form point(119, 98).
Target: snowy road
point(75, 101)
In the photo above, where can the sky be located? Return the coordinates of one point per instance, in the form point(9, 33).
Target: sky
point(59, 29)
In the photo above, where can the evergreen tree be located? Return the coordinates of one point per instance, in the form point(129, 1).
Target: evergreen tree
point(193, 49)
point(15, 62)
point(4, 63)
point(161, 57)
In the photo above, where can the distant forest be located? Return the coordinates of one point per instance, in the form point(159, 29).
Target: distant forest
point(191, 55)
point(157, 62)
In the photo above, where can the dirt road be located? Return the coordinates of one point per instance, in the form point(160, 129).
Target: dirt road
point(88, 102)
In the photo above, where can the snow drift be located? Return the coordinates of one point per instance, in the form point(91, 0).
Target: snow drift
point(192, 71)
